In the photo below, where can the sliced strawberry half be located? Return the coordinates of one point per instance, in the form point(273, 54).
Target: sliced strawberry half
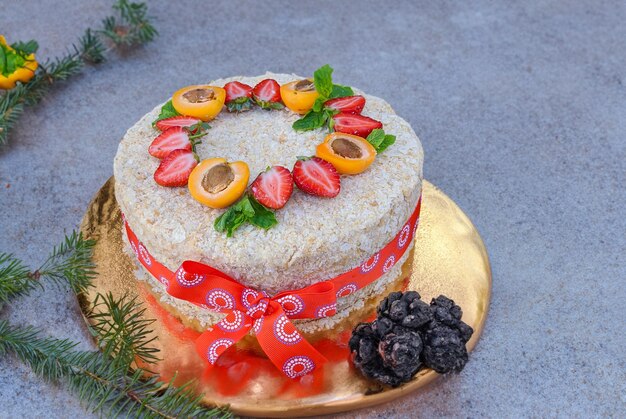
point(266, 94)
point(317, 177)
point(274, 187)
point(238, 96)
point(355, 124)
point(348, 104)
point(175, 169)
point(189, 122)
point(176, 138)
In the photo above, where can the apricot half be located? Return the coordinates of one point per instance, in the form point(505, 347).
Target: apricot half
point(350, 154)
point(299, 95)
point(200, 101)
point(217, 183)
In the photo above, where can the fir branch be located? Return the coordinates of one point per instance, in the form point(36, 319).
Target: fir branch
point(15, 279)
point(70, 262)
point(102, 385)
point(42, 355)
point(132, 28)
point(121, 330)
point(48, 74)
point(11, 108)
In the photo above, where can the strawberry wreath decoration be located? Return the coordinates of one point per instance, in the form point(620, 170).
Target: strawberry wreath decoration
point(353, 142)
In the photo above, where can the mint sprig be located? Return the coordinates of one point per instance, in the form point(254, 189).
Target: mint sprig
point(319, 115)
point(246, 210)
point(380, 141)
point(167, 111)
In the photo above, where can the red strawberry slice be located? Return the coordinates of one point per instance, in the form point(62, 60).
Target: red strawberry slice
point(238, 96)
point(273, 187)
point(235, 90)
point(355, 124)
point(175, 169)
point(348, 104)
point(267, 94)
point(316, 176)
point(177, 121)
point(176, 138)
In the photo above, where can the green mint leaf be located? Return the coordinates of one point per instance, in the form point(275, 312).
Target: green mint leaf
point(167, 111)
point(389, 140)
point(263, 217)
point(310, 121)
point(376, 138)
point(225, 222)
point(245, 206)
point(340, 91)
point(318, 105)
point(26, 48)
point(380, 141)
point(246, 210)
point(323, 80)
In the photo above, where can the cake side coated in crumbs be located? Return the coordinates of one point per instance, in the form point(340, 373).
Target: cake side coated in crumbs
point(315, 238)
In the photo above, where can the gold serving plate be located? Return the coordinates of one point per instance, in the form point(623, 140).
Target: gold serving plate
point(450, 259)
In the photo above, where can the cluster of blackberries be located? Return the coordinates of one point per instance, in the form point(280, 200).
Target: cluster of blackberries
point(408, 334)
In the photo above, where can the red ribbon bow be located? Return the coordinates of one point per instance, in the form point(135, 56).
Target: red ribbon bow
point(249, 309)
point(269, 317)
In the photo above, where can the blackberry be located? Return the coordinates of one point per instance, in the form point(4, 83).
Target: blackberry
point(444, 350)
point(408, 334)
point(405, 309)
point(445, 337)
point(401, 353)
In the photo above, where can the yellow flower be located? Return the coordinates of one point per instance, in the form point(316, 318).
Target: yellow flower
point(15, 65)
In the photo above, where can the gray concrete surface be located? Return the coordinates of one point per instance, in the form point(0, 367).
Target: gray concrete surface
point(522, 111)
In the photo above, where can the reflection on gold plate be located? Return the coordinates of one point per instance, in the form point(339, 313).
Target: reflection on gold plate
point(450, 259)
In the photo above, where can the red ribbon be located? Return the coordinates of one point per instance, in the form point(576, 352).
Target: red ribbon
point(269, 317)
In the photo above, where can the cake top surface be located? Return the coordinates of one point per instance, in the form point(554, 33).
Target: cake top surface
point(315, 238)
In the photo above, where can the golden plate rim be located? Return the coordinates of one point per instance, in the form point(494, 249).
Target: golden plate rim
point(95, 216)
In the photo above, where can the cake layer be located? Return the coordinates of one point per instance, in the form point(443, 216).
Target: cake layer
point(315, 239)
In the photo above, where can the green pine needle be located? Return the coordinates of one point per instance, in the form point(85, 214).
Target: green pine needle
point(11, 108)
point(133, 26)
point(121, 331)
point(15, 279)
point(91, 48)
point(102, 385)
point(70, 262)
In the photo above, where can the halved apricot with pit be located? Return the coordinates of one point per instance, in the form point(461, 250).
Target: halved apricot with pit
point(350, 154)
point(217, 183)
point(200, 101)
point(299, 95)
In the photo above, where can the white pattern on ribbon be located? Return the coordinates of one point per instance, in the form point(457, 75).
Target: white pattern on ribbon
point(369, 264)
point(326, 310)
point(219, 299)
point(282, 335)
point(305, 363)
point(291, 300)
point(183, 279)
point(212, 352)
